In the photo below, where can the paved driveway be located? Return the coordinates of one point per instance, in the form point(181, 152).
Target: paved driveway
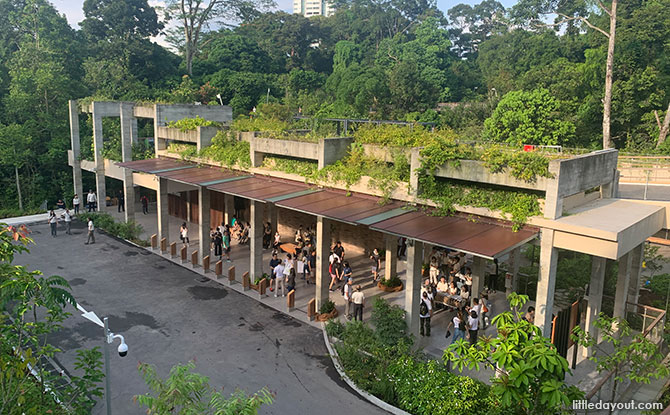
point(168, 315)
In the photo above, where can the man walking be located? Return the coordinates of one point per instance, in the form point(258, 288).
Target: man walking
point(348, 291)
point(226, 243)
point(122, 200)
point(425, 312)
point(91, 229)
point(91, 200)
point(67, 217)
point(145, 204)
point(358, 298)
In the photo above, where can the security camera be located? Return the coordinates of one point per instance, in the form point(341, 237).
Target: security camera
point(123, 349)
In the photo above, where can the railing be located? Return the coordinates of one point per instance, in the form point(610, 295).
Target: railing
point(653, 324)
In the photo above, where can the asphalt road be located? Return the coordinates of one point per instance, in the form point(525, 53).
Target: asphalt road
point(167, 315)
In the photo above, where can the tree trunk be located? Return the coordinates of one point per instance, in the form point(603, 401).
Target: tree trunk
point(664, 128)
point(18, 187)
point(607, 102)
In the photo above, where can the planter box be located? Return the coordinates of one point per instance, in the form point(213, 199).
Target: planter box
point(326, 151)
point(389, 289)
point(327, 316)
point(476, 171)
point(202, 136)
point(385, 153)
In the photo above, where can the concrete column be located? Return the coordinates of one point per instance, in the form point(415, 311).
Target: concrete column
point(99, 161)
point(478, 271)
point(391, 262)
point(635, 274)
point(512, 285)
point(595, 299)
point(162, 209)
point(256, 240)
point(544, 303)
point(134, 134)
point(322, 253)
point(187, 195)
point(553, 205)
point(413, 285)
point(415, 165)
point(75, 143)
point(332, 150)
point(622, 282)
point(127, 118)
point(204, 242)
point(228, 208)
point(272, 217)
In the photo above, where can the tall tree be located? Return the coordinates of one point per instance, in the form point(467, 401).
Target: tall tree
point(195, 16)
point(15, 144)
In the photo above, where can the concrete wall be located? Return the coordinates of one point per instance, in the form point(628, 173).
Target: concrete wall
point(143, 111)
point(385, 153)
point(476, 171)
point(175, 134)
point(585, 172)
point(333, 149)
point(259, 147)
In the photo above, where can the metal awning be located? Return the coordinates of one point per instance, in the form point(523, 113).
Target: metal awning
point(262, 188)
point(188, 173)
point(341, 206)
point(483, 237)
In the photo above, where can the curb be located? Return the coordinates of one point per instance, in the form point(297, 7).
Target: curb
point(335, 358)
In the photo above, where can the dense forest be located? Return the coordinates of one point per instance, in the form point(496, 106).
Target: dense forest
point(539, 65)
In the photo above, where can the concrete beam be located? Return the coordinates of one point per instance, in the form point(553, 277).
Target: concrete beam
point(595, 299)
point(546, 285)
point(322, 254)
point(391, 261)
point(413, 285)
point(635, 275)
point(162, 209)
point(99, 108)
point(75, 143)
point(204, 242)
point(256, 240)
point(127, 124)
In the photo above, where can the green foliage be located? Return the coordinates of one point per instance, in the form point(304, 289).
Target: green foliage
point(187, 392)
point(396, 136)
point(660, 285)
point(14, 212)
point(305, 168)
point(327, 307)
point(524, 165)
point(334, 328)
point(190, 124)
point(523, 117)
point(186, 151)
point(130, 230)
point(228, 151)
point(392, 282)
point(530, 371)
point(389, 322)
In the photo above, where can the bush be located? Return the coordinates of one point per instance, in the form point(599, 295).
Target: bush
point(187, 124)
point(659, 285)
point(334, 328)
point(125, 230)
point(389, 322)
point(392, 282)
point(15, 212)
point(428, 388)
point(327, 307)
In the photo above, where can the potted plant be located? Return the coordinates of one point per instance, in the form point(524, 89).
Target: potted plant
point(256, 284)
point(327, 311)
point(393, 284)
point(425, 267)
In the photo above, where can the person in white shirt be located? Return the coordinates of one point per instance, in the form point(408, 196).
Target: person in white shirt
point(425, 312)
point(473, 326)
point(183, 234)
point(67, 217)
point(280, 279)
point(358, 298)
point(442, 286)
point(348, 291)
point(459, 327)
point(75, 203)
point(91, 199)
point(53, 222)
point(91, 229)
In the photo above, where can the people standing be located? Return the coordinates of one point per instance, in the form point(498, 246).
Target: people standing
point(218, 244)
point(376, 264)
point(402, 247)
point(122, 201)
point(425, 312)
point(53, 222)
point(277, 240)
point(267, 235)
point(290, 277)
point(339, 250)
point(91, 229)
point(75, 204)
point(347, 273)
point(92, 200)
point(145, 204)
point(358, 298)
point(226, 243)
point(67, 217)
point(530, 315)
point(348, 291)
point(459, 327)
point(280, 280)
point(273, 264)
point(183, 234)
point(473, 326)
point(312, 266)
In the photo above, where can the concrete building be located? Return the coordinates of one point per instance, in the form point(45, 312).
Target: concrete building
point(581, 210)
point(309, 8)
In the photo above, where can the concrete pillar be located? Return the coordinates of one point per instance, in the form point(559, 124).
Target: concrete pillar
point(332, 149)
point(553, 205)
point(75, 144)
point(228, 208)
point(322, 254)
point(256, 240)
point(127, 118)
point(512, 285)
point(162, 209)
point(635, 274)
point(134, 134)
point(544, 303)
point(391, 262)
point(595, 299)
point(204, 242)
point(415, 165)
point(187, 196)
point(272, 216)
point(413, 285)
point(99, 161)
point(622, 282)
point(478, 271)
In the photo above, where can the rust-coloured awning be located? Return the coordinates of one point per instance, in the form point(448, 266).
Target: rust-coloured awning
point(483, 237)
point(334, 204)
point(263, 188)
point(183, 172)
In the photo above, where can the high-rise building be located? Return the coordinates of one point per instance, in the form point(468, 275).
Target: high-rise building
point(309, 8)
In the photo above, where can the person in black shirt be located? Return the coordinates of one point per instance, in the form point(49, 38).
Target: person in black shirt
point(339, 250)
point(273, 263)
point(312, 266)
